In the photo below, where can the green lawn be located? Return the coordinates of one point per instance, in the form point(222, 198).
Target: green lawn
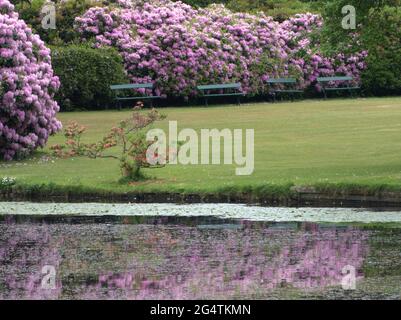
point(347, 142)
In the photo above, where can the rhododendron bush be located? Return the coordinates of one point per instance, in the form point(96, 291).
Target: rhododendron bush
point(27, 85)
point(178, 47)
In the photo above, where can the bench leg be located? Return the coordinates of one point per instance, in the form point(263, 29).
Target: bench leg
point(301, 96)
point(238, 101)
point(351, 92)
point(325, 94)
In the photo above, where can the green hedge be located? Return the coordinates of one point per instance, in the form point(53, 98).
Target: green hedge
point(86, 75)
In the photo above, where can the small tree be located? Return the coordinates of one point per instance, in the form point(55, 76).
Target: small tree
point(129, 136)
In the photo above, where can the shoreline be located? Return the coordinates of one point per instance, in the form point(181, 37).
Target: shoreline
point(293, 197)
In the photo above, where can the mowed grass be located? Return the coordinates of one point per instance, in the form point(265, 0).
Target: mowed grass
point(350, 141)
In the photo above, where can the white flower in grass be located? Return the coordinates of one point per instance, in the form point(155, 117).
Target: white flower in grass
point(7, 181)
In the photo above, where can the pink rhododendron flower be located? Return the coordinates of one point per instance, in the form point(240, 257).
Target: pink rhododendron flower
point(27, 86)
point(178, 47)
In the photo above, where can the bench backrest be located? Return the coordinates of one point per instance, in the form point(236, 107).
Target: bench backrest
point(281, 80)
point(329, 79)
point(132, 86)
point(220, 86)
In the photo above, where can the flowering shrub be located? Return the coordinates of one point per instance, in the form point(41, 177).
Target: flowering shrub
point(178, 47)
point(27, 86)
point(129, 136)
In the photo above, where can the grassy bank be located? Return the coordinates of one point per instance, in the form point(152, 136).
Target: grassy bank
point(334, 145)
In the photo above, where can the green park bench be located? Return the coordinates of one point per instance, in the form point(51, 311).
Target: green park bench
point(121, 87)
point(280, 86)
point(325, 82)
point(227, 90)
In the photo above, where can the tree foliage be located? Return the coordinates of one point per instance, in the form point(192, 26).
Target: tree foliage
point(379, 29)
point(278, 9)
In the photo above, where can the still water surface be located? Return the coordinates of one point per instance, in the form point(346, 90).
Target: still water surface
point(145, 257)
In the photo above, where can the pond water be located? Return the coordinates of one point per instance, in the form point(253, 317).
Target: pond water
point(101, 256)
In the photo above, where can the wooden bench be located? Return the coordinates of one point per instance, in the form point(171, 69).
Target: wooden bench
point(121, 87)
point(326, 81)
point(283, 86)
point(228, 90)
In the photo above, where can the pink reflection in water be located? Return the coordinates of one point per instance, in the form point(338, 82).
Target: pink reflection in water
point(175, 262)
